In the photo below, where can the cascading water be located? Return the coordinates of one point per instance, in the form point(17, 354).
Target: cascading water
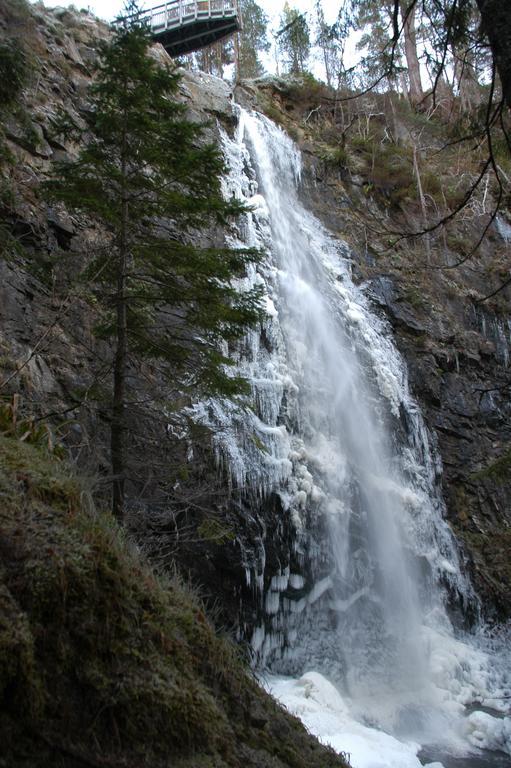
point(332, 429)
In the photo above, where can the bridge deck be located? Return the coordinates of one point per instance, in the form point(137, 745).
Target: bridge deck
point(182, 26)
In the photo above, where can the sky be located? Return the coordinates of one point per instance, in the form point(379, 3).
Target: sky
point(109, 9)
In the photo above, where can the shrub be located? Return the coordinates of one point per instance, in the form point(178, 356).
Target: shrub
point(432, 184)
point(305, 88)
point(336, 157)
point(392, 173)
point(13, 72)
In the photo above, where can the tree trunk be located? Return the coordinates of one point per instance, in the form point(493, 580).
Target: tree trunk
point(416, 93)
point(237, 59)
point(469, 91)
point(496, 24)
point(117, 430)
point(327, 64)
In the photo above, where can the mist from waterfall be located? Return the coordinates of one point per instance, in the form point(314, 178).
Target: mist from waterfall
point(332, 428)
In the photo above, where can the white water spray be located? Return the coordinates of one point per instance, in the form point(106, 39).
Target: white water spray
point(333, 430)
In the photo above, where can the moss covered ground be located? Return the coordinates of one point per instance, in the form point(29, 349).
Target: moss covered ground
point(102, 662)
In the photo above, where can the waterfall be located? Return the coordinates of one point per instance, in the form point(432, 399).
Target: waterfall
point(332, 429)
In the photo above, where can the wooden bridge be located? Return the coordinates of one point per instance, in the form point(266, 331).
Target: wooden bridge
point(182, 26)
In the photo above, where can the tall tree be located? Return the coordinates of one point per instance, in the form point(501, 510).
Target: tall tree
point(381, 65)
point(495, 16)
point(294, 39)
point(214, 58)
point(327, 43)
point(148, 175)
point(408, 14)
point(253, 39)
point(496, 25)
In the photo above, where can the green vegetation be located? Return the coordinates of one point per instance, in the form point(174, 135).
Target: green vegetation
point(304, 89)
point(253, 39)
point(389, 171)
point(13, 72)
point(216, 531)
point(294, 40)
point(101, 662)
point(499, 470)
point(27, 430)
point(489, 552)
point(334, 156)
point(16, 67)
point(151, 178)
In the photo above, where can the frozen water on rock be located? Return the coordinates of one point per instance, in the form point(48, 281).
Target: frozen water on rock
point(332, 430)
point(503, 228)
point(497, 331)
point(323, 710)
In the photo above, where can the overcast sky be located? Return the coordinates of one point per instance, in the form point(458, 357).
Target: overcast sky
point(109, 9)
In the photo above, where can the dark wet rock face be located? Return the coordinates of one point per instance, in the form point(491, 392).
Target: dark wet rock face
point(460, 381)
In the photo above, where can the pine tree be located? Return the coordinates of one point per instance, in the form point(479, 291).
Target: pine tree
point(253, 39)
point(295, 40)
point(148, 175)
point(381, 65)
point(325, 42)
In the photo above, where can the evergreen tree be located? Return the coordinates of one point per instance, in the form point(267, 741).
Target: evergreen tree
point(253, 39)
point(214, 58)
point(381, 64)
point(408, 16)
point(331, 40)
point(326, 44)
point(148, 175)
point(295, 40)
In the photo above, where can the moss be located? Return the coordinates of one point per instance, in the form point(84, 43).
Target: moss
point(215, 531)
point(101, 661)
point(489, 551)
point(414, 296)
point(273, 113)
point(334, 156)
point(499, 470)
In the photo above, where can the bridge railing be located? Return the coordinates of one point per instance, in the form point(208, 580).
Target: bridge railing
point(176, 13)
